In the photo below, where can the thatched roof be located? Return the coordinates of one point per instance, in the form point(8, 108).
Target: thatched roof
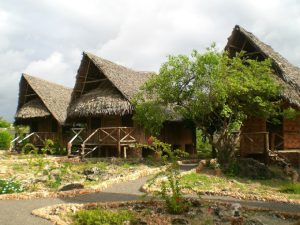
point(103, 87)
point(105, 99)
point(39, 98)
point(33, 108)
point(285, 73)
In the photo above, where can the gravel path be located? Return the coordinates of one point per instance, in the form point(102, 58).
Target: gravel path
point(15, 212)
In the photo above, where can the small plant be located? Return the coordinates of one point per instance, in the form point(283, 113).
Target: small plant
point(171, 188)
point(48, 146)
point(291, 188)
point(102, 216)
point(10, 186)
point(5, 139)
point(29, 148)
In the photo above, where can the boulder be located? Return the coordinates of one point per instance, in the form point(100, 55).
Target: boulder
point(253, 169)
point(72, 186)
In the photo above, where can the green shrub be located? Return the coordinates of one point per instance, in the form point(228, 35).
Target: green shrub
point(10, 186)
point(101, 216)
point(171, 189)
point(48, 146)
point(29, 148)
point(291, 188)
point(5, 139)
point(4, 123)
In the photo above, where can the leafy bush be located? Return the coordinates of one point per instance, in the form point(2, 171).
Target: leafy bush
point(29, 148)
point(5, 139)
point(102, 216)
point(4, 123)
point(48, 146)
point(10, 186)
point(51, 147)
point(291, 188)
point(171, 189)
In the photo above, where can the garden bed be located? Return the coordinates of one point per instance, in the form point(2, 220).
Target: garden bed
point(153, 212)
point(40, 176)
point(207, 183)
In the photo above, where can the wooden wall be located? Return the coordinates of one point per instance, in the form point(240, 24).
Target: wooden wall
point(179, 135)
point(175, 133)
point(291, 133)
point(253, 143)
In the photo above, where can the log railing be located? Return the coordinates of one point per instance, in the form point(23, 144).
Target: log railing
point(78, 138)
point(110, 136)
point(276, 141)
point(38, 138)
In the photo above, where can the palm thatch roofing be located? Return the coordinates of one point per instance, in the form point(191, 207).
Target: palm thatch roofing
point(285, 73)
point(41, 98)
point(33, 108)
point(104, 88)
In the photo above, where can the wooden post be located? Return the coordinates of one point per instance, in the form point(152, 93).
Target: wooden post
point(267, 148)
point(125, 153)
point(69, 148)
point(267, 142)
point(119, 143)
point(82, 151)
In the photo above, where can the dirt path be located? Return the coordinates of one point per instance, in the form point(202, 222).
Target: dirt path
point(15, 212)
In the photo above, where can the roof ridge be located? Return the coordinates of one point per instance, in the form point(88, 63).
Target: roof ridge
point(44, 80)
point(55, 104)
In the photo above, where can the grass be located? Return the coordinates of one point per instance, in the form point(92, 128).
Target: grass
point(101, 216)
point(276, 188)
point(291, 188)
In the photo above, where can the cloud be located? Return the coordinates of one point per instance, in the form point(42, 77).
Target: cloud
point(53, 68)
point(46, 38)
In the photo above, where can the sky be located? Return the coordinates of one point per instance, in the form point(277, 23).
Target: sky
point(46, 38)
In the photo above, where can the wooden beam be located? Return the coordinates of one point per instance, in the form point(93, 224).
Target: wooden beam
point(244, 44)
point(87, 71)
point(235, 47)
point(93, 81)
point(31, 95)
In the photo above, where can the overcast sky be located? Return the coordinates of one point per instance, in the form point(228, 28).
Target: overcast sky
point(45, 38)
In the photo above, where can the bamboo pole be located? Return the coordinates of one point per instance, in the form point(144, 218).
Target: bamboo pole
point(119, 144)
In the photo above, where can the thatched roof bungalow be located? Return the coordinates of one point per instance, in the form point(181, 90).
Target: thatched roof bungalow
point(42, 105)
point(286, 135)
point(102, 98)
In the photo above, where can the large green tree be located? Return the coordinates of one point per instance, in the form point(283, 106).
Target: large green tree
point(215, 91)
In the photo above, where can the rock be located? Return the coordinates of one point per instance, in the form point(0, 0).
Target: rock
point(139, 207)
point(72, 186)
point(55, 173)
point(92, 177)
point(253, 169)
point(179, 221)
point(93, 170)
point(139, 222)
point(253, 222)
point(195, 202)
point(43, 179)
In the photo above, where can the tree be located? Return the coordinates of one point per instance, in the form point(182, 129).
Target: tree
point(4, 123)
point(215, 91)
